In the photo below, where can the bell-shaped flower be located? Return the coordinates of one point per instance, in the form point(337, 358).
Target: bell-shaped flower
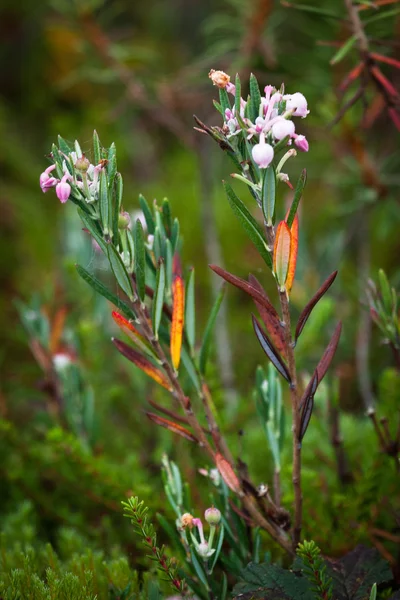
point(262, 153)
point(301, 142)
point(297, 103)
point(46, 180)
point(283, 128)
point(63, 189)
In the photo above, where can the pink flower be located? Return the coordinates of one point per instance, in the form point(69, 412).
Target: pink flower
point(46, 182)
point(301, 142)
point(282, 128)
point(297, 102)
point(63, 189)
point(262, 153)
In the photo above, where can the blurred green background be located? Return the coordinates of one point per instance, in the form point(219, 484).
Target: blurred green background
point(137, 72)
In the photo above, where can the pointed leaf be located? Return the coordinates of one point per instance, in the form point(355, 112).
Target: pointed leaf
point(238, 94)
point(314, 300)
point(147, 214)
point(101, 289)
point(297, 197)
point(178, 311)
point(270, 350)
point(247, 287)
point(130, 330)
point(270, 318)
point(119, 270)
point(205, 346)
point(104, 204)
point(282, 254)
point(145, 365)
point(255, 98)
point(166, 215)
point(294, 245)
point(111, 165)
point(269, 194)
point(329, 353)
point(218, 548)
point(227, 473)
point(140, 260)
point(252, 228)
point(343, 50)
point(174, 427)
point(96, 148)
point(63, 145)
point(190, 313)
point(307, 404)
point(224, 100)
point(158, 300)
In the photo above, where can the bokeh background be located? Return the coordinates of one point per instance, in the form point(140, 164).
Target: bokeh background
point(137, 72)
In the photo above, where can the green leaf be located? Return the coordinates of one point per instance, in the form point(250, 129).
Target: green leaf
point(120, 272)
point(238, 94)
point(167, 218)
point(96, 148)
point(168, 264)
point(255, 98)
point(273, 444)
point(140, 260)
point(205, 346)
point(190, 313)
point(269, 195)
point(94, 229)
point(104, 203)
point(119, 190)
point(343, 50)
point(252, 228)
point(63, 145)
point(301, 182)
point(224, 100)
point(198, 568)
point(101, 289)
point(218, 107)
point(372, 595)
point(385, 291)
point(190, 369)
point(158, 299)
point(175, 235)
point(147, 215)
point(111, 165)
point(217, 549)
point(264, 580)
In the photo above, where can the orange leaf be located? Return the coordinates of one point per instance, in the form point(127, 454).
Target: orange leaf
point(227, 473)
point(294, 245)
point(282, 249)
point(57, 328)
point(174, 427)
point(128, 328)
point(145, 365)
point(177, 320)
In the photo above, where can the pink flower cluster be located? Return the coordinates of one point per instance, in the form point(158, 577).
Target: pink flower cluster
point(86, 179)
point(274, 121)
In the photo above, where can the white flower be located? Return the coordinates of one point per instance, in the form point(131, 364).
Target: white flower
point(298, 102)
point(283, 128)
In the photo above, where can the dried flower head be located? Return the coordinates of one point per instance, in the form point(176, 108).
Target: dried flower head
point(187, 520)
point(219, 78)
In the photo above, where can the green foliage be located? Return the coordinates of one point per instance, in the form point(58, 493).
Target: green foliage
point(314, 568)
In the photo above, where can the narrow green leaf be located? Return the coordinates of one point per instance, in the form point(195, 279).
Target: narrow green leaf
point(168, 264)
point(238, 94)
point(167, 218)
point(301, 182)
point(119, 270)
point(252, 228)
point(96, 148)
point(119, 190)
point(190, 314)
point(158, 299)
point(343, 50)
point(385, 291)
point(198, 569)
point(256, 545)
point(224, 100)
point(190, 369)
point(387, 14)
point(147, 214)
point(111, 165)
point(255, 98)
point(175, 235)
point(273, 444)
point(104, 203)
point(140, 260)
point(224, 587)
point(101, 289)
point(269, 195)
point(372, 595)
point(218, 107)
point(205, 346)
point(94, 229)
point(63, 145)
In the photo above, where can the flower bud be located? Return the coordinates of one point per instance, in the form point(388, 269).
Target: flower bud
point(63, 189)
point(212, 516)
point(262, 153)
point(204, 551)
point(82, 164)
point(46, 181)
point(282, 128)
point(124, 220)
point(301, 143)
point(297, 102)
point(219, 78)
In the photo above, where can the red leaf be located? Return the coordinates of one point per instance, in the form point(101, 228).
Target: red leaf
point(329, 353)
point(227, 473)
point(270, 351)
point(382, 81)
point(145, 365)
point(352, 76)
point(308, 308)
point(270, 318)
point(174, 427)
point(386, 59)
